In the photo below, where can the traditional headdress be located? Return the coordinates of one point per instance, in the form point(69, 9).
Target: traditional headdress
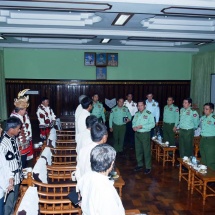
point(22, 101)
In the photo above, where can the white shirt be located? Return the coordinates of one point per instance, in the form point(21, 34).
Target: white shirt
point(132, 107)
point(153, 107)
point(81, 122)
point(77, 114)
point(83, 160)
point(5, 175)
point(84, 139)
point(99, 197)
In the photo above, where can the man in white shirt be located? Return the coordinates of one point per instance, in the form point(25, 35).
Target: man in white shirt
point(78, 111)
point(99, 135)
point(99, 197)
point(153, 107)
point(132, 107)
point(84, 138)
point(87, 105)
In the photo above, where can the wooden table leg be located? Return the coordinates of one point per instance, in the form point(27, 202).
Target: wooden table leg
point(164, 157)
point(204, 192)
point(180, 169)
point(159, 150)
point(192, 182)
point(173, 158)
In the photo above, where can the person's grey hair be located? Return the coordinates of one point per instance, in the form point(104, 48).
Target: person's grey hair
point(101, 157)
point(12, 122)
point(81, 97)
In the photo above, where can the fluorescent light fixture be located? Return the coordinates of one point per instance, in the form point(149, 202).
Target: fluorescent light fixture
point(1, 38)
point(200, 44)
point(122, 18)
point(106, 40)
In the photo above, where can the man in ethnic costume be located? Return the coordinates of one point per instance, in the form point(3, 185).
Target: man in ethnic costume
point(46, 118)
point(25, 136)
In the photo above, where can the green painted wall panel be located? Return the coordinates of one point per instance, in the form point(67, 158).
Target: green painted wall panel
point(69, 64)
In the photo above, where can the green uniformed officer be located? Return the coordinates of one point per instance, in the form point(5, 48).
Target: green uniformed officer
point(142, 124)
point(170, 121)
point(207, 143)
point(119, 116)
point(189, 121)
point(98, 109)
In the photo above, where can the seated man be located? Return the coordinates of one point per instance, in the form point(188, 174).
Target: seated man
point(98, 193)
point(84, 138)
point(99, 136)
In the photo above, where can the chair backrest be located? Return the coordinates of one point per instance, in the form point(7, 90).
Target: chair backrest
point(196, 144)
point(53, 198)
point(64, 156)
point(59, 174)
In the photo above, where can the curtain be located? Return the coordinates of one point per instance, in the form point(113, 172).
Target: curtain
point(3, 104)
point(203, 65)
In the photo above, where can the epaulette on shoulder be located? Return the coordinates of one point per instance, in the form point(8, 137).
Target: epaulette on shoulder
point(213, 116)
point(148, 112)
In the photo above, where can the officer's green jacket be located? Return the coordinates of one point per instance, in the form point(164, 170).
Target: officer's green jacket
point(146, 119)
point(117, 114)
point(98, 110)
point(208, 125)
point(189, 118)
point(171, 114)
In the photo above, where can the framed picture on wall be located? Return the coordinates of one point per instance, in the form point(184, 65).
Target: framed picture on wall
point(101, 59)
point(89, 59)
point(101, 73)
point(112, 59)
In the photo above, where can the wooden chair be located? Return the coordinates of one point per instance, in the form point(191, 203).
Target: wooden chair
point(61, 144)
point(53, 198)
point(196, 144)
point(132, 212)
point(59, 173)
point(65, 132)
point(64, 156)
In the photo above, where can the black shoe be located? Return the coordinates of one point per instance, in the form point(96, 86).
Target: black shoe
point(138, 168)
point(147, 171)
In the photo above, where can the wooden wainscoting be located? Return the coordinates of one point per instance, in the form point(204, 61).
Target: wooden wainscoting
point(64, 94)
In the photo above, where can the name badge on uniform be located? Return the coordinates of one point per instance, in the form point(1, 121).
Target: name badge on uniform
point(153, 104)
point(170, 109)
point(188, 113)
point(145, 117)
point(99, 106)
point(209, 122)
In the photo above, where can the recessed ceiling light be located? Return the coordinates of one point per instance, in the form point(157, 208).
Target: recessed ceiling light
point(106, 40)
point(122, 18)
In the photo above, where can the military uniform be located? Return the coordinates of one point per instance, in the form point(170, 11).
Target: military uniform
point(153, 107)
point(98, 111)
point(142, 137)
point(116, 122)
point(189, 121)
point(207, 143)
point(170, 120)
point(132, 107)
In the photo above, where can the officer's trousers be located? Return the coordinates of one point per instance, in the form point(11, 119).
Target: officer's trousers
point(168, 133)
point(186, 142)
point(143, 149)
point(207, 151)
point(118, 136)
